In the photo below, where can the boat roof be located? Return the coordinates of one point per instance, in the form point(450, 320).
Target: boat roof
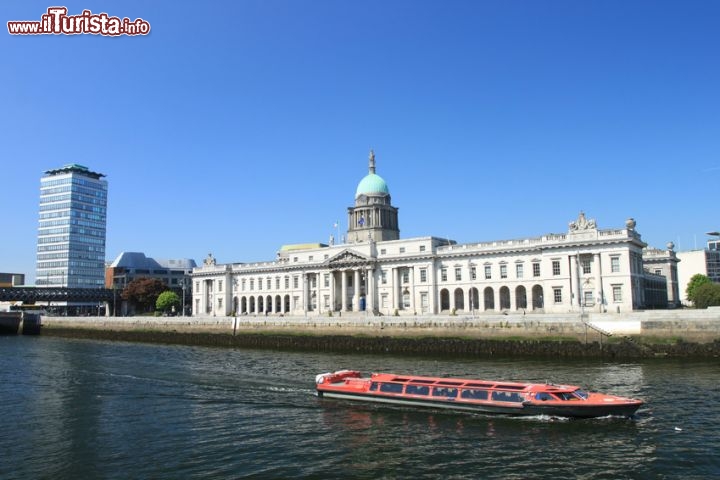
point(471, 383)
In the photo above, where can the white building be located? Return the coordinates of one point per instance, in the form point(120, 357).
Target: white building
point(704, 262)
point(582, 269)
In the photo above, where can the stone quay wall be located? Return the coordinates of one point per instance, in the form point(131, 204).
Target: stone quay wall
point(681, 333)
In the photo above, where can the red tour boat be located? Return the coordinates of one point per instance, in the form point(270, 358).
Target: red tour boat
point(482, 396)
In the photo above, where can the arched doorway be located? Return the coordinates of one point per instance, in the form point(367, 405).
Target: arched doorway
point(520, 298)
point(286, 309)
point(459, 299)
point(537, 298)
point(278, 304)
point(489, 298)
point(251, 307)
point(444, 299)
point(504, 298)
point(474, 299)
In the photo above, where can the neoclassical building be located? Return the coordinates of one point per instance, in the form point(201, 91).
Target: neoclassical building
point(373, 270)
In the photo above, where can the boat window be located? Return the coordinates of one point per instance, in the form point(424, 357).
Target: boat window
point(391, 387)
point(544, 396)
point(373, 386)
point(445, 392)
point(421, 380)
point(582, 394)
point(417, 390)
point(398, 379)
point(565, 396)
point(446, 382)
point(481, 385)
point(511, 387)
point(500, 396)
point(474, 394)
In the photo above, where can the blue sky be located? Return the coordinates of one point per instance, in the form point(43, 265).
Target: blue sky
point(237, 127)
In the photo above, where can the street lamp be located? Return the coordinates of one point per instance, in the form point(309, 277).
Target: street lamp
point(183, 296)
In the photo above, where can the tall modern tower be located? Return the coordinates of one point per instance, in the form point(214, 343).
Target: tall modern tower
point(71, 235)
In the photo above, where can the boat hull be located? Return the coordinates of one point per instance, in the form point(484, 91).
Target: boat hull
point(584, 411)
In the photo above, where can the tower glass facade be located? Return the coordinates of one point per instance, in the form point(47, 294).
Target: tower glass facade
point(71, 234)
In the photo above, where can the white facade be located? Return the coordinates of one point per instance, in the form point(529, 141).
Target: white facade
point(693, 262)
point(585, 269)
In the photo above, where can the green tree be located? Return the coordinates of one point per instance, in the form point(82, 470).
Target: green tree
point(143, 292)
point(707, 295)
point(167, 300)
point(695, 281)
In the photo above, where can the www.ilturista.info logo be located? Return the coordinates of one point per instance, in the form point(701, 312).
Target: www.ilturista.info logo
point(57, 22)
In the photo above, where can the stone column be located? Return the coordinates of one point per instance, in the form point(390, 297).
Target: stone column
point(598, 282)
point(434, 290)
point(343, 291)
point(356, 290)
point(306, 292)
point(411, 275)
point(575, 279)
point(369, 290)
point(332, 291)
point(396, 288)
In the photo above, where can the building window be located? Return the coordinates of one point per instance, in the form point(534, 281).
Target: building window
point(383, 277)
point(423, 275)
point(382, 251)
point(313, 281)
point(326, 280)
point(473, 273)
point(617, 293)
point(326, 301)
point(557, 295)
point(503, 271)
point(556, 267)
point(443, 274)
point(252, 284)
point(422, 248)
point(585, 262)
point(458, 274)
point(242, 285)
point(220, 285)
point(277, 283)
point(295, 259)
point(402, 249)
point(588, 298)
point(383, 300)
point(615, 264)
point(488, 272)
point(658, 272)
point(310, 258)
point(424, 301)
point(406, 276)
point(519, 270)
point(259, 283)
point(296, 281)
point(536, 269)
point(267, 283)
point(220, 302)
point(287, 282)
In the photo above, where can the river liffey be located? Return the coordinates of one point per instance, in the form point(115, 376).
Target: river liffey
point(92, 409)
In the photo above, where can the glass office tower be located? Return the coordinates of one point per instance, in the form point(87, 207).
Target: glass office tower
point(71, 235)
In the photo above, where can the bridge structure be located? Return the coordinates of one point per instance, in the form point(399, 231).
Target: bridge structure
point(56, 294)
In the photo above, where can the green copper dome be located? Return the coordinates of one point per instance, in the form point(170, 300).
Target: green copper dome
point(372, 184)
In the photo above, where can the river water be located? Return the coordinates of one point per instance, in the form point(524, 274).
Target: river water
point(92, 409)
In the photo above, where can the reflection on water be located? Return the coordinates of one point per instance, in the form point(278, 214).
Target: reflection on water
point(118, 410)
